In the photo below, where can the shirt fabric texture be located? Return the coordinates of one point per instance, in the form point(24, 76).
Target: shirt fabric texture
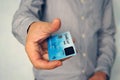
point(91, 24)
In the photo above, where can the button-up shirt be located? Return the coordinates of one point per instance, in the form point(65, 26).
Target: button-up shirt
point(91, 24)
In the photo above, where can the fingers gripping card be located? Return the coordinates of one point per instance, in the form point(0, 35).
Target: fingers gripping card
point(60, 46)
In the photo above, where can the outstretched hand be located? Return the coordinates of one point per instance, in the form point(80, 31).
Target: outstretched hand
point(36, 45)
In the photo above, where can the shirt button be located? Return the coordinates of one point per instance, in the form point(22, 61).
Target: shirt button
point(82, 18)
point(83, 71)
point(84, 54)
point(83, 35)
point(82, 1)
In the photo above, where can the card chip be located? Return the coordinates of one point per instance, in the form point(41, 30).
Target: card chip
point(69, 51)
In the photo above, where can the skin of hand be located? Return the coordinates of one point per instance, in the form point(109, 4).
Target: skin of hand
point(36, 45)
point(99, 76)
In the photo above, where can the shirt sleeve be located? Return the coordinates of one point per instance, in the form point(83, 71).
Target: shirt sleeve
point(106, 41)
point(28, 12)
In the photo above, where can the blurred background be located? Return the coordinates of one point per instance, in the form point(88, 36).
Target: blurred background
point(14, 63)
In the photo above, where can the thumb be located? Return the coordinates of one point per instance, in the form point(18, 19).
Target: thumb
point(56, 23)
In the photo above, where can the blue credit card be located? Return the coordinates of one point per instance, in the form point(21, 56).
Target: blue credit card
point(60, 46)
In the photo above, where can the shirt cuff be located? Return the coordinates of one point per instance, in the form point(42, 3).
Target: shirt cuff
point(105, 70)
point(21, 32)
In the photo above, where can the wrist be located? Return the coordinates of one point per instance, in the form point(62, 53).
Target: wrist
point(30, 26)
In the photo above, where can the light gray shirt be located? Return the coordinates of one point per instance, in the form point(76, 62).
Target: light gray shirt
point(91, 24)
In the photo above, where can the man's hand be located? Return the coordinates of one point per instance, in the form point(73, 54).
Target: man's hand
point(98, 76)
point(36, 45)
